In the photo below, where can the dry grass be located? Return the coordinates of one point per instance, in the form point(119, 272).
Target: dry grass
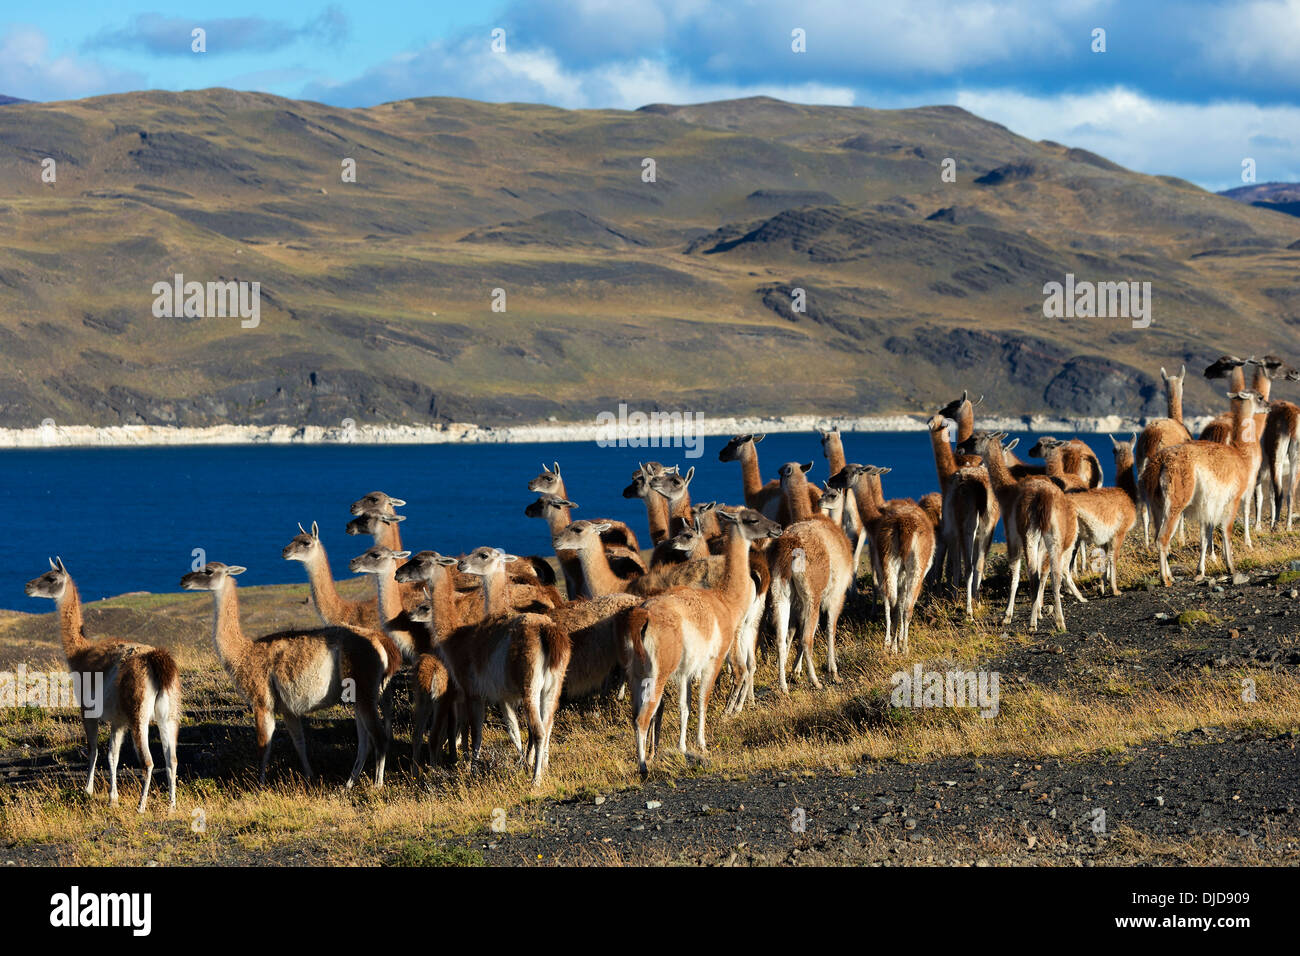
point(829, 730)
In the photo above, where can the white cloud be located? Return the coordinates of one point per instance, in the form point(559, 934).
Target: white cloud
point(29, 71)
point(471, 70)
point(1204, 143)
point(1262, 36)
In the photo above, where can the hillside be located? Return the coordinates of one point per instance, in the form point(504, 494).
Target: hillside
point(376, 295)
point(1279, 197)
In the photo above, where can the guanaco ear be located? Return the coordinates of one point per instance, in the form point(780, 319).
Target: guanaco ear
point(391, 519)
point(59, 561)
point(401, 555)
point(601, 526)
point(557, 469)
point(1115, 442)
point(507, 558)
point(706, 506)
point(689, 475)
point(53, 566)
point(545, 470)
point(1011, 444)
point(566, 503)
point(236, 569)
point(396, 502)
point(1164, 376)
point(757, 438)
point(315, 530)
point(301, 528)
point(883, 471)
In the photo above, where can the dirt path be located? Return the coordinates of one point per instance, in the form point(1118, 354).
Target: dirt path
point(1238, 793)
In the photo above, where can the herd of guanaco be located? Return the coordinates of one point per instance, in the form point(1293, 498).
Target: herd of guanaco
point(491, 628)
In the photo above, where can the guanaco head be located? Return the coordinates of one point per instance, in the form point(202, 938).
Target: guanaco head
point(423, 566)
point(640, 486)
point(1223, 366)
point(304, 546)
point(52, 583)
point(422, 613)
point(980, 442)
point(486, 561)
point(547, 504)
point(938, 423)
point(372, 523)
point(377, 503)
point(1173, 379)
point(751, 523)
point(1044, 446)
point(792, 473)
point(581, 534)
point(548, 482)
point(376, 560)
point(688, 539)
point(831, 440)
point(1123, 451)
point(740, 447)
point(832, 501)
point(953, 409)
point(213, 577)
point(672, 485)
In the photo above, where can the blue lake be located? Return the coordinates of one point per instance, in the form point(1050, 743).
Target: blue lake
point(129, 519)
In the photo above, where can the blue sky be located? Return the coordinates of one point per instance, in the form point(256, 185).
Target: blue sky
point(1185, 88)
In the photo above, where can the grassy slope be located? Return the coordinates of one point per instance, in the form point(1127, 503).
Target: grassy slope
point(44, 816)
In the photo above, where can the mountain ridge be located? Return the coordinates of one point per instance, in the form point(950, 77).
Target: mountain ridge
point(377, 296)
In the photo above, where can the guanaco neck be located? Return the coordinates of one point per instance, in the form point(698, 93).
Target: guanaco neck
point(1237, 379)
point(596, 572)
point(1054, 463)
point(390, 594)
point(750, 475)
point(72, 627)
point(323, 592)
point(495, 599)
point(944, 462)
point(388, 536)
point(227, 634)
point(965, 421)
point(656, 513)
point(557, 519)
point(443, 590)
point(736, 583)
point(1261, 383)
point(864, 487)
point(1124, 477)
point(1174, 399)
point(1238, 439)
point(797, 502)
point(834, 449)
point(999, 474)
point(680, 508)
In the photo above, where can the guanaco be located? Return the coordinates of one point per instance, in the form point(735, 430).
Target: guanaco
point(130, 686)
point(295, 672)
point(1204, 481)
point(811, 566)
point(685, 635)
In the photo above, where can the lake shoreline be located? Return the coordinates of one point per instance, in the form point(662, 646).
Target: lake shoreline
point(125, 436)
